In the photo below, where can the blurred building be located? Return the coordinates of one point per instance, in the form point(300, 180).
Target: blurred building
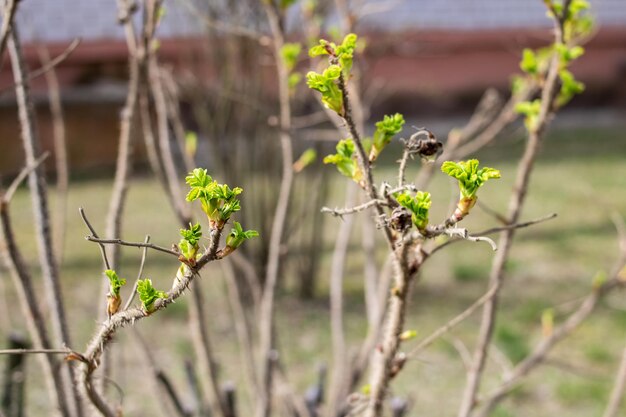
point(448, 51)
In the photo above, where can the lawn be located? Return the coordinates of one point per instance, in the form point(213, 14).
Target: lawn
point(581, 176)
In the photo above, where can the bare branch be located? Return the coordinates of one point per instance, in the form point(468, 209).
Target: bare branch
point(35, 351)
point(60, 151)
point(132, 244)
point(133, 292)
point(107, 330)
point(47, 67)
point(619, 387)
point(516, 202)
point(266, 321)
point(8, 195)
point(429, 340)
point(39, 198)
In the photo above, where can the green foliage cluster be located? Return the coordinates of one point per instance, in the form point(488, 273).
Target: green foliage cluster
point(218, 201)
point(290, 52)
point(345, 160)
point(237, 236)
point(115, 282)
point(469, 176)
point(419, 207)
point(341, 58)
point(534, 64)
point(385, 131)
point(148, 294)
point(188, 245)
point(326, 83)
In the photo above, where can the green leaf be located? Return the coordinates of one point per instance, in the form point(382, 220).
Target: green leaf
point(289, 54)
point(326, 84)
point(192, 234)
point(469, 176)
point(529, 63)
point(284, 4)
point(294, 79)
point(345, 53)
point(148, 294)
point(115, 282)
point(385, 130)
point(569, 87)
point(345, 160)
point(191, 143)
point(218, 200)
point(419, 206)
point(237, 235)
point(323, 48)
point(531, 110)
point(306, 159)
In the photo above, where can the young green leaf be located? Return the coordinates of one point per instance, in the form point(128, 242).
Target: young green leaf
point(148, 294)
point(344, 160)
point(192, 234)
point(289, 54)
point(188, 245)
point(306, 159)
point(191, 143)
point(115, 282)
point(218, 200)
point(529, 63)
point(345, 53)
point(385, 130)
point(569, 87)
point(326, 84)
point(237, 235)
point(469, 176)
point(531, 110)
point(419, 207)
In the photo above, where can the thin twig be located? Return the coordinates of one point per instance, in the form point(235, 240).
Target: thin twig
point(494, 230)
point(17, 181)
point(266, 321)
point(133, 292)
point(105, 258)
point(619, 387)
point(60, 152)
point(9, 9)
point(39, 198)
point(132, 244)
point(337, 212)
point(29, 303)
point(107, 330)
point(429, 340)
point(34, 351)
point(548, 95)
point(47, 67)
point(337, 391)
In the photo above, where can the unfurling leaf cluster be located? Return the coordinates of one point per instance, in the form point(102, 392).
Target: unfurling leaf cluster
point(345, 160)
point(576, 24)
point(148, 294)
point(188, 245)
point(419, 207)
point(469, 176)
point(326, 84)
point(237, 236)
point(218, 201)
point(115, 282)
point(385, 131)
point(341, 57)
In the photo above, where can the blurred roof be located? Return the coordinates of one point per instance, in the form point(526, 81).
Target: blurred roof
point(477, 14)
point(62, 20)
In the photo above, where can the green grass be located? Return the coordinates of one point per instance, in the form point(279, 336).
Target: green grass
point(580, 176)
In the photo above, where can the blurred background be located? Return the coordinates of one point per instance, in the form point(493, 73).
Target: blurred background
point(431, 61)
